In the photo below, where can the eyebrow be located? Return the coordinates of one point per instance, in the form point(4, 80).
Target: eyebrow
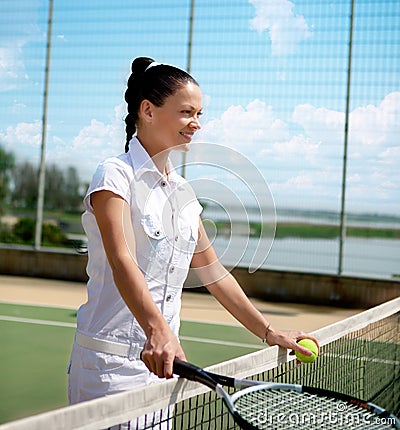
point(192, 107)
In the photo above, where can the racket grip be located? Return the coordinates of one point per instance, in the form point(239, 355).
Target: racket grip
point(193, 373)
point(185, 369)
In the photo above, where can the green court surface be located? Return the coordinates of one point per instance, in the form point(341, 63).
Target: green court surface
point(36, 343)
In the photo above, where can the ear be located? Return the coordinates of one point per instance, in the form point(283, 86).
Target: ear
point(146, 110)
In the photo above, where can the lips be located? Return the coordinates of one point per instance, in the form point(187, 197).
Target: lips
point(186, 135)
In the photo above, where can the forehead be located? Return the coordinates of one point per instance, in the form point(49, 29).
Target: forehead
point(188, 94)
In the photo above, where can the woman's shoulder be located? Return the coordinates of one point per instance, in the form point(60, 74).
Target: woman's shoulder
point(113, 170)
point(119, 164)
point(121, 160)
point(113, 174)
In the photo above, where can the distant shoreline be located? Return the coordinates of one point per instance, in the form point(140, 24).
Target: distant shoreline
point(290, 223)
point(306, 230)
point(324, 231)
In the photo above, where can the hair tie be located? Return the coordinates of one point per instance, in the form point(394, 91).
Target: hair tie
point(153, 64)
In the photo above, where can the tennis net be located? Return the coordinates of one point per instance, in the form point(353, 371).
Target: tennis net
point(360, 356)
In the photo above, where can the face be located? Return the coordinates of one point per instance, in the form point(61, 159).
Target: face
point(173, 125)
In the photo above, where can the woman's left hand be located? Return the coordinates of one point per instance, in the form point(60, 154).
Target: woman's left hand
point(289, 339)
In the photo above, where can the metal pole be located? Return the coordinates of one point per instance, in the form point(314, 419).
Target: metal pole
point(188, 68)
point(42, 167)
point(346, 137)
point(190, 41)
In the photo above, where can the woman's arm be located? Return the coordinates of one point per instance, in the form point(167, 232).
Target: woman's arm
point(113, 218)
point(224, 287)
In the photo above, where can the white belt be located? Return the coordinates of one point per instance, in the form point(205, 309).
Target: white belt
point(129, 350)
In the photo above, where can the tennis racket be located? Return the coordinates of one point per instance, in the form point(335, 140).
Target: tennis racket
point(267, 405)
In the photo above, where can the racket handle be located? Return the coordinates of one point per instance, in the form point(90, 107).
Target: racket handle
point(193, 373)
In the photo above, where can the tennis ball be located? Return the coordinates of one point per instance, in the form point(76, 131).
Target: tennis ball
point(312, 346)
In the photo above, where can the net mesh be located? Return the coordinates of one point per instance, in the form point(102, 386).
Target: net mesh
point(360, 356)
point(268, 409)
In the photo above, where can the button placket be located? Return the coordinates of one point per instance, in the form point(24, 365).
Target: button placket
point(174, 261)
point(169, 304)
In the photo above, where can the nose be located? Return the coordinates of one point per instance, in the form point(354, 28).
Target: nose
point(195, 123)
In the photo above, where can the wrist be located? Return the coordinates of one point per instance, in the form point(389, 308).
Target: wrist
point(157, 327)
point(268, 330)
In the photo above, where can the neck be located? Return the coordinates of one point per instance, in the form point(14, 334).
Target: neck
point(159, 157)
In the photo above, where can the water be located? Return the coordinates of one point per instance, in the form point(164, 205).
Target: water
point(362, 256)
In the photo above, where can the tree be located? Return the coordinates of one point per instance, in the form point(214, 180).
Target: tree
point(55, 191)
point(7, 162)
point(24, 232)
point(62, 189)
point(73, 189)
point(25, 186)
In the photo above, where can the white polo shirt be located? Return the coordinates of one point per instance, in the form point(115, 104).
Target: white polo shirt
point(165, 220)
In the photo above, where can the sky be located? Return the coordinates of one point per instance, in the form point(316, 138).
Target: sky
point(273, 75)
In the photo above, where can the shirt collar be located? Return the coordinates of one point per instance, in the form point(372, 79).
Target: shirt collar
point(142, 163)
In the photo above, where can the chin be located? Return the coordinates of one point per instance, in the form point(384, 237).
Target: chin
point(183, 147)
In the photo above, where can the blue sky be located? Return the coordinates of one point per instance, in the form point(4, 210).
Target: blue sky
point(273, 75)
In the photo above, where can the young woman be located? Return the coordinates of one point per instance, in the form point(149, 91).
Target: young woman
point(144, 231)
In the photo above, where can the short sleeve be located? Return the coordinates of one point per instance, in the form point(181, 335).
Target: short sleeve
point(113, 175)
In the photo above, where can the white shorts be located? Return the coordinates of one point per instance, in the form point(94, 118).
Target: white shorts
point(95, 374)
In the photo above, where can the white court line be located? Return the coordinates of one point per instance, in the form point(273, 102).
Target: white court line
point(73, 325)
point(40, 305)
point(221, 342)
point(34, 321)
point(363, 359)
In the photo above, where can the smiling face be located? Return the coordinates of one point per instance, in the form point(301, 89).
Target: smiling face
point(172, 125)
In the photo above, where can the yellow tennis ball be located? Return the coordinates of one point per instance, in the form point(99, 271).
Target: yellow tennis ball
point(312, 346)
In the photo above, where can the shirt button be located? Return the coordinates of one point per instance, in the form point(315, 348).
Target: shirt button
point(168, 298)
point(163, 183)
point(176, 238)
point(171, 269)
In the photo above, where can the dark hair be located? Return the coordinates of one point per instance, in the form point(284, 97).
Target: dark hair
point(154, 84)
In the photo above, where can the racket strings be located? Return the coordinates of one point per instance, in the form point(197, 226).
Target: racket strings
point(283, 409)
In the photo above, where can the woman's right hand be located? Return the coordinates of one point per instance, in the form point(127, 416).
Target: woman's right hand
point(159, 353)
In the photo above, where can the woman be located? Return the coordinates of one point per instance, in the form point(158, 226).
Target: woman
point(144, 231)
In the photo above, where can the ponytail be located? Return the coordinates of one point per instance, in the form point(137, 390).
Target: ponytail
point(133, 96)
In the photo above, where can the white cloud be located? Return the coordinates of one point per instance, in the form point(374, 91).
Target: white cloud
point(377, 126)
point(391, 156)
point(94, 143)
point(247, 128)
point(93, 137)
point(286, 29)
point(303, 180)
point(14, 36)
point(24, 140)
point(302, 158)
point(297, 146)
point(12, 68)
point(374, 137)
point(318, 122)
